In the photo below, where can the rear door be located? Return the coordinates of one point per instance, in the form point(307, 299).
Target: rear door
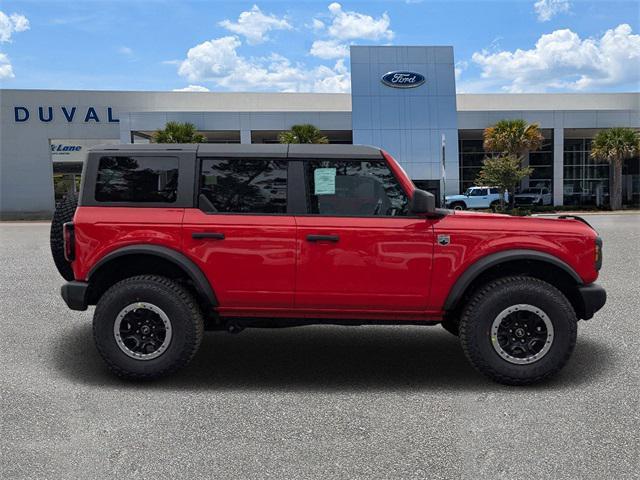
point(359, 248)
point(241, 233)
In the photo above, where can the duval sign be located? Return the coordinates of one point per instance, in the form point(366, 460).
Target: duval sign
point(66, 113)
point(403, 79)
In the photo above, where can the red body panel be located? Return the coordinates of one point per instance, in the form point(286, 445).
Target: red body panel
point(101, 230)
point(386, 268)
point(477, 235)
point(378, 263)
point(254, 266)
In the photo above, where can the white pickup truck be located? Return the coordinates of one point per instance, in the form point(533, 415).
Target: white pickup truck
point(476, 197)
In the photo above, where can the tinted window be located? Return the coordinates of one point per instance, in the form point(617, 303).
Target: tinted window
point(478, 192)
point(494, 191)
point(243, 186)
point(353, 187)
point(137, 179)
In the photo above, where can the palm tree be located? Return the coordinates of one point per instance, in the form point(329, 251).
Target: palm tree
point(614, 146)
point(304, 133)
point(512, 137)
point(176, 132)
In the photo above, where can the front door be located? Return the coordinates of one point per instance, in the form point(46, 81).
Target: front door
point(241, 235)
point(360, 249)
point(478, 198)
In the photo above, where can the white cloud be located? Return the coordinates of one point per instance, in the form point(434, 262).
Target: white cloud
point(317, 25)
point(329, 49)
point(254, 25)
point(332, 80)
point(210, 59)
point(547, 9)
point(6, 70)
point(346, 25)
point(192, 88)
point(10, 24)
point(218, 61)
point(125, 51)
point(561, 60)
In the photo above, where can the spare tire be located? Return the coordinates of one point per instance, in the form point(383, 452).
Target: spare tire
point(65, 210)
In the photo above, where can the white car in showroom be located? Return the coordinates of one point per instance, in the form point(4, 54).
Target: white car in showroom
point(476, 197)
point(533, 196)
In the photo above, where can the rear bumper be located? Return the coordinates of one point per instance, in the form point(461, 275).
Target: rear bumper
point(592, 297)
point(75, 295)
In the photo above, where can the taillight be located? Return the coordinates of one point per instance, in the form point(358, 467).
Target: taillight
point(69, 238)
point(598, 254)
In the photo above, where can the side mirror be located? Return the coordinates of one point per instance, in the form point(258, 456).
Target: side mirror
point(422, 202)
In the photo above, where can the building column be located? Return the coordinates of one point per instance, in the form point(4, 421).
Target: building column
point(245, 136)
point(558, 166)
point(125, 129)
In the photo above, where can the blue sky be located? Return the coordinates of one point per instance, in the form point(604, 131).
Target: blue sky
point(515, 46)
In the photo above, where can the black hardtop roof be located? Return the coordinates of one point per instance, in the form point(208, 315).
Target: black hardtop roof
point(252, 150)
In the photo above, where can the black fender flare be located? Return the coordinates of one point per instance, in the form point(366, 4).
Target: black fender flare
point(472, 272)
point(192, 270)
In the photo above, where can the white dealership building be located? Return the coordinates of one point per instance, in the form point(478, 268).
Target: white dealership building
point(44, 133)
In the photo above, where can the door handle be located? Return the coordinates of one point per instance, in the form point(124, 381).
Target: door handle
point(323, 238)
point(212, 235)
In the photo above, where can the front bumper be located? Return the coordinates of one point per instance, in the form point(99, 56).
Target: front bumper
point(592, 298)
point(75, 295)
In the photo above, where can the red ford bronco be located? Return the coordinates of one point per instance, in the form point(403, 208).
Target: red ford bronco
point(170, 241)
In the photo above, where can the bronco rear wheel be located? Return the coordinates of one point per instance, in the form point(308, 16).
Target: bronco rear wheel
point(518, 330)
point(147, 326)
point(64, 213)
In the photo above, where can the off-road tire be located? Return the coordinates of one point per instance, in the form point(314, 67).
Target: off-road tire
point(495, 205)
point(64, 212)
point(458, 206)
point(181, 308)
point(485, 305)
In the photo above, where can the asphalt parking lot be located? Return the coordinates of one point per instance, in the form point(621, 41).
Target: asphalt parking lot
point(312, 402)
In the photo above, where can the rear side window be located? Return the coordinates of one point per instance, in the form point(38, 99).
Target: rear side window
point(353, 188)
point(243, 186)
point(494, 191)
point(137, 179)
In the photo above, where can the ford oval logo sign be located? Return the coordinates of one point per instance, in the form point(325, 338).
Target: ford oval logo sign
point(401, 79)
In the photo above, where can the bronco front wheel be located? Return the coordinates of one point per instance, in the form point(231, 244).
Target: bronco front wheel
point(518, 330)
point(147, 327)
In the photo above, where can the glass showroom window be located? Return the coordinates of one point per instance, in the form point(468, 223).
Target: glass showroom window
point(471, 156)
point(586, 181)
point(542, 163)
